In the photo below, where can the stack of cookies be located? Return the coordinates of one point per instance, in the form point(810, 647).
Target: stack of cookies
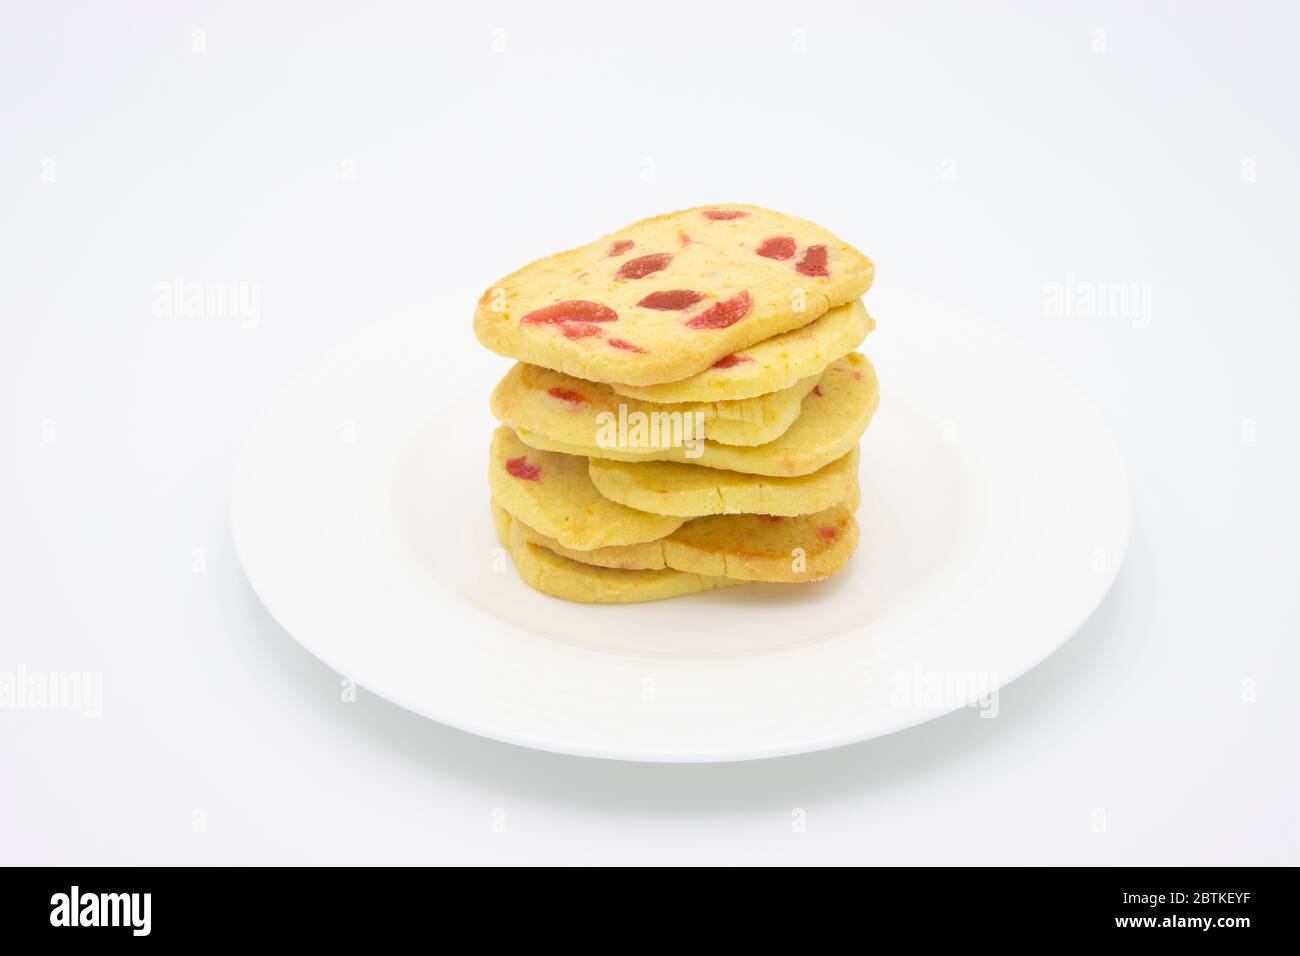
point(686, 408)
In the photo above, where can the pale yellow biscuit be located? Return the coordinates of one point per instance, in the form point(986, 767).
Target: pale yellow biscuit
point(667, 297)
point(673, 488)
point(833, 418)
point(550, 573)
point(647, 556)
point(769, 366)
point(765, 548)
point(742, 547)
point(587, 414)
point(553, 493)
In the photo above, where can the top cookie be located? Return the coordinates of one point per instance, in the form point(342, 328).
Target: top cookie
point(667, 297)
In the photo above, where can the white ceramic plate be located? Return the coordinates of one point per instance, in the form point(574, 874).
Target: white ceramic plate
point(995, 515)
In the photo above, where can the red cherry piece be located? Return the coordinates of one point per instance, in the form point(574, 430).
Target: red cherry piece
point(723, 214)
point(723, 314)
point(574, 310)
point(817, 390)
point(521, 467)
point(731, 361)
point(579, 330)
point(620, 247)
point(829, 532)
point(777, 247)
point(642, 266)
point(625, 346)
point(567, 395)
point(813, 262)
point(671, 300)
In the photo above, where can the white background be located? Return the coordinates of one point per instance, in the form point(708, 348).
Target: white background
point(354, 158)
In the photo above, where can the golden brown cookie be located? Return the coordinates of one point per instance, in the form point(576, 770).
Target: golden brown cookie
point(831, 420)
point(673, 488)
point(553, 493)
point(744, 547)
point(544, 570)
point(667, 297)
point(583, 414)
point(770, 365)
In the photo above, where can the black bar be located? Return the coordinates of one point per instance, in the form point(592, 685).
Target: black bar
point(331, 905)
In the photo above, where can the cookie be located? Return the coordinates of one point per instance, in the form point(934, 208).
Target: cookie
point(689, 491)
point(554, 494)
point(588, 414)
point(770, 365)
point(832, 419)
point(647, 556)
point(766, 547)
point(742, 547)
point(667, 297)
point(550, 573)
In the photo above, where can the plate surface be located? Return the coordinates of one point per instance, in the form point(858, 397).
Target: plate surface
point(995, 516)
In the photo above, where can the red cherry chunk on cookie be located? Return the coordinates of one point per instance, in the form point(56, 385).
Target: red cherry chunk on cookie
point(579, 330)
point(625, 346)
point(813, 262)
point(731, 361)
point(724, 214)
point(642, 266)
point(778, 247)
point(620, 247)
point(723, 314)
point(522, 468)
point(574, 310)
point(572, 396)
point(671, 300)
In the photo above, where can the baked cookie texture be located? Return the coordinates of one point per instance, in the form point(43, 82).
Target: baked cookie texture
point(667, 297)
point(550, 573)
point(744, 547)
point(554, 494)
point(690, 491)
point(585, 414)
point(831, 420)
point(686, 407)
point(770, 365)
